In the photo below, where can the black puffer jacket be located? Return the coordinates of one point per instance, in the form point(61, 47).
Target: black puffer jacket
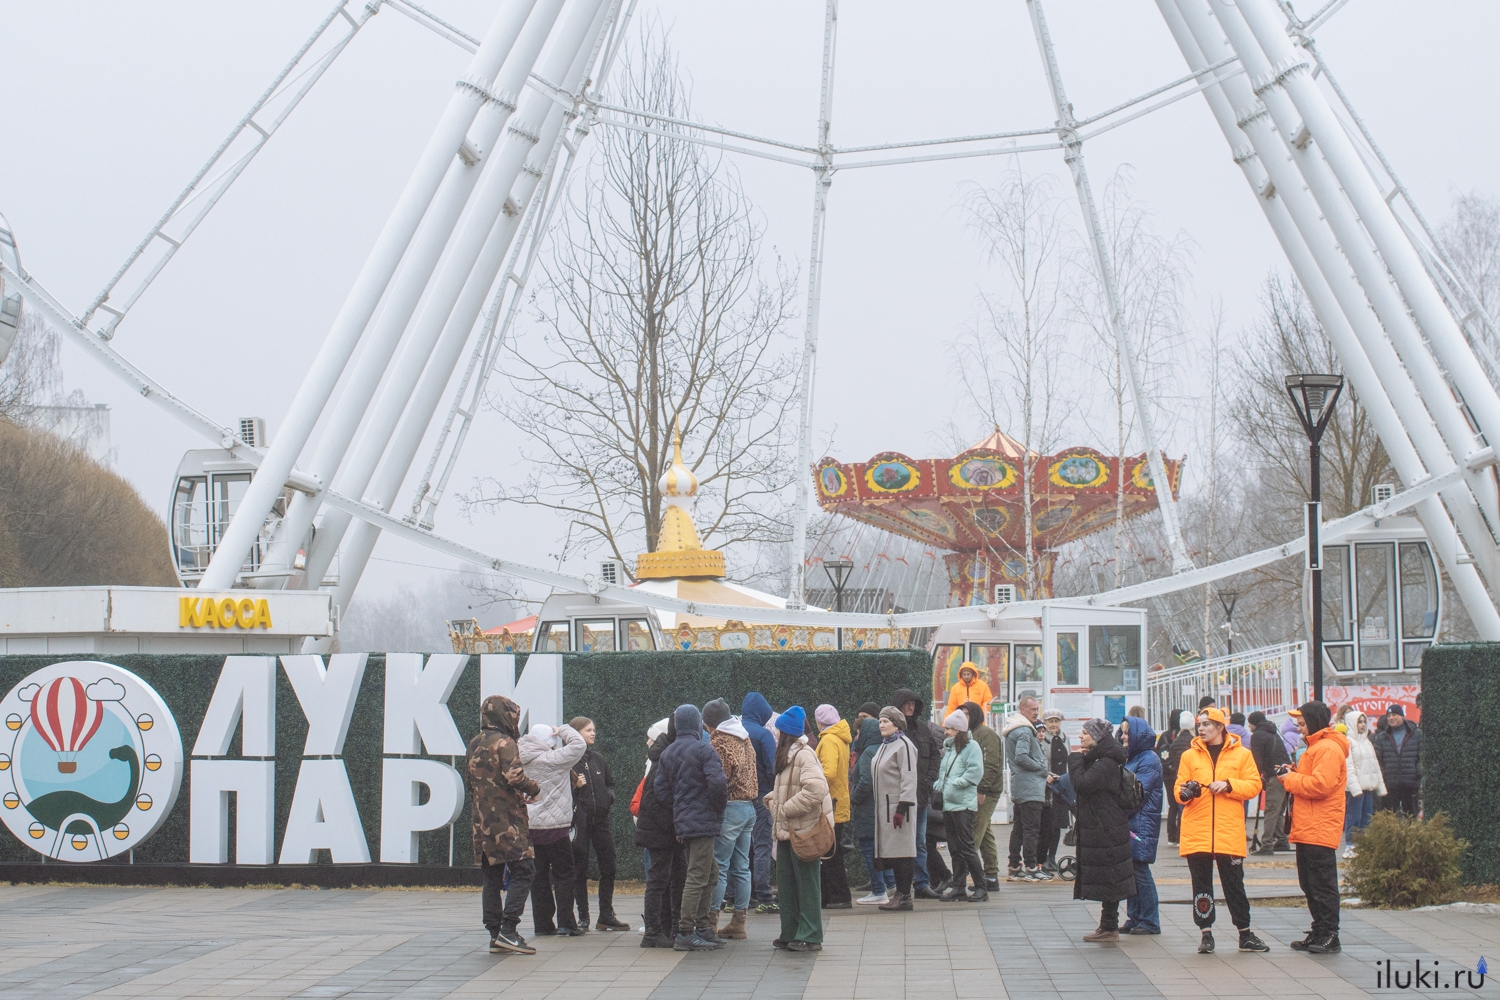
point(927, 738)
point(1105, 871)
point(1174, 756)
point(1268, 749)
point(690, 777)
point(592, 802)
point(1401, 768)
point(653, 824)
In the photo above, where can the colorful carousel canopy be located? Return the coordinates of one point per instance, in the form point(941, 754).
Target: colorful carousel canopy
point(973, 503)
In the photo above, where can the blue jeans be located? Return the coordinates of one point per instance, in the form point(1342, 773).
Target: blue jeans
point(760, 849)
point(1141, 909)
point(919, 874)
point(1358, 811)
point(878, 881)
point(732, 853)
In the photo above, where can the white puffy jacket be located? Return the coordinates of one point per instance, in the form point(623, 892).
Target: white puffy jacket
point(552, 768)
point(1363, 766)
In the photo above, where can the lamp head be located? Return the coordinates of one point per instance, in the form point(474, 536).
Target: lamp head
point(838, 571)
point(1313, 397)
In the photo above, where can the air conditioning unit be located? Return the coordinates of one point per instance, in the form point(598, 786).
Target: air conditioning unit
point(1382, 492)
point(253, 431)
point(1005, 593)
point(612, 572)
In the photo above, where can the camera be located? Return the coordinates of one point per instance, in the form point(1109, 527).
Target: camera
point(1191, 790)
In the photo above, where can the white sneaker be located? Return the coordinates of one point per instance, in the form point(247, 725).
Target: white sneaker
point(872, 899)
point(1348, 851)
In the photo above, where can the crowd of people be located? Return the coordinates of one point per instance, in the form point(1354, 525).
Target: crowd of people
point(756, 810)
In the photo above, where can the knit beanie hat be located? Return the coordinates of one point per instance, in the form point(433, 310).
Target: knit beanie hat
point(1097, 728)
point(957, 719)
point(689, 720)
point(869, 708)
point(793, 721)
point(894, 714)
point(1185, 719)
point(826, 715)
point(716, 712)
point(544, 733)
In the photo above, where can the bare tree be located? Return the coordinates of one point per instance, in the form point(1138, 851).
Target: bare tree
point(1471, 239)
point(655, 311)
point(31, 375)
point(1011, 362)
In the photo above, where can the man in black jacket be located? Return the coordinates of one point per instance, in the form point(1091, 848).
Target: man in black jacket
point(1270, 752)
point(1399, 750)
point(691, 777)
point(928, 740)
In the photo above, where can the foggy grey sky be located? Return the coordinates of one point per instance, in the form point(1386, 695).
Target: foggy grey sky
point(110, 108)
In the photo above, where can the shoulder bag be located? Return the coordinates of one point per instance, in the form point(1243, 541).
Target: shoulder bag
point(816, 843)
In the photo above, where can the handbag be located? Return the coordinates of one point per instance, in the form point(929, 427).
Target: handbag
point(936, 800)
point(817, 843)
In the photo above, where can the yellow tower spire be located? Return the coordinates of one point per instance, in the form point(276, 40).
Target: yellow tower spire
point(679, 551)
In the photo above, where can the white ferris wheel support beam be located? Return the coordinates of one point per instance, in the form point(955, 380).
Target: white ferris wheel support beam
point(454, 303)
point(380, 266)
point(474, 157)
point(1336, 299)
point(822, 181)
point(1395, 327)
point(1067, 132)
point(495, 331)
point(1291, 75)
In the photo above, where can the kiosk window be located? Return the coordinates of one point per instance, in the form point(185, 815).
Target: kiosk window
point(1028, 672)
point(1115, 657)
point(1067, 659)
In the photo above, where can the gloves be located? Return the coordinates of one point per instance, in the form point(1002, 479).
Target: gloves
point(903, 813)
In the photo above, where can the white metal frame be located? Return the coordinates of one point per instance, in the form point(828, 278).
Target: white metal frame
point(461, 208)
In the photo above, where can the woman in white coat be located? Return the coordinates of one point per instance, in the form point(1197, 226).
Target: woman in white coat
point(894, 778)
point(1364, 784)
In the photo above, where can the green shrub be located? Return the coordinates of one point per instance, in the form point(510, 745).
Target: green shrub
point(1404, 862)
point(1461, 683)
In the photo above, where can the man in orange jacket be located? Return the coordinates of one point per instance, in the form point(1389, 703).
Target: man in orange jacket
point(969, 687)
point(1215, 777)
point(1318, 822)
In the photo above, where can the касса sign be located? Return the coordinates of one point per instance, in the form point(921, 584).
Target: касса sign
point(92, 759)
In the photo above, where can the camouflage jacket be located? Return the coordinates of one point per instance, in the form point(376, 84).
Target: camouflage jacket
point(501, 833)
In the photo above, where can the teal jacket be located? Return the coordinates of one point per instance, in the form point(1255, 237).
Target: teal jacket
point(959, 774)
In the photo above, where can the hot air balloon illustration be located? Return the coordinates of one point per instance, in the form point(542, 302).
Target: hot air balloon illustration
point(66, 718)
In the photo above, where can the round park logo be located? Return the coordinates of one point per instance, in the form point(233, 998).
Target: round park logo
point(90, 761)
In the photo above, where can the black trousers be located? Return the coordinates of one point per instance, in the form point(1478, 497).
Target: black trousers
point(903, 867)
point(552, 891)
point(937, 868)
point(1231, 877)
point(1318, 875)
point(1025, 832)
point(1174, 821)
point(834, 876)
point(1054, 822)
point(1109, 915)
point(664, 884)
point(508, 916)
point(595, 836)
point(966, 861)
point(1401, 799)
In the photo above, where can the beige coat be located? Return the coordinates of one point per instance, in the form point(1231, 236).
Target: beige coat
point(894, 776)
point(798, 795)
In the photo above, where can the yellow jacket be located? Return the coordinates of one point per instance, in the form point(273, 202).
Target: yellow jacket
point(833, 754)
point(1215, 823)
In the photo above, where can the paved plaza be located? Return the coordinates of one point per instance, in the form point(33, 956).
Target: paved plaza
point(64, 942)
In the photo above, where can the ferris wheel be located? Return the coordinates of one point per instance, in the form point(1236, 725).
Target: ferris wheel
point(440, 290)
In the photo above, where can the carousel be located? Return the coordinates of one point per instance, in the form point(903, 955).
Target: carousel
point(974, 504)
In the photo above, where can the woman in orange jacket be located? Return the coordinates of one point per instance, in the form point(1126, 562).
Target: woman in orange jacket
point(1318, 822)
point(1215, 777)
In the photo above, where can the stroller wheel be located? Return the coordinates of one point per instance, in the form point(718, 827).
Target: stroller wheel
point(1067, 868)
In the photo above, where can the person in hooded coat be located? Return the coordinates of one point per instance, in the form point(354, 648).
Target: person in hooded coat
point(755, 715)
point(927, 739)
point(970, 687)
point(691, 777)
point(1028, 790)
point(1269, 751)
point(832, 749)
point(1105, 870)
point(1142, 913)
point(549, 755)
point(500, 790)
point(862, 810)
point(1364, 784)
point(667, 870)
point(895, 782)
point(991, 787)
point(959, 774)
point(1318, 823)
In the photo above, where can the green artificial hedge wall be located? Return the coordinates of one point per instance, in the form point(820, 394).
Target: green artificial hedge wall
point(624, 693)
point(1460, 769)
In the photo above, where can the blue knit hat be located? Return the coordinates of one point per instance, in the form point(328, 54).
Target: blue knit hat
point(793, 721)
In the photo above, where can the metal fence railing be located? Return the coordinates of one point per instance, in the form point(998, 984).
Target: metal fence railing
point(1268, 679)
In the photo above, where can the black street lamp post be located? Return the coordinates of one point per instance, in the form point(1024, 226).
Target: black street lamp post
point(838, 574)
point(1227, 600)
point(1313, 397)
